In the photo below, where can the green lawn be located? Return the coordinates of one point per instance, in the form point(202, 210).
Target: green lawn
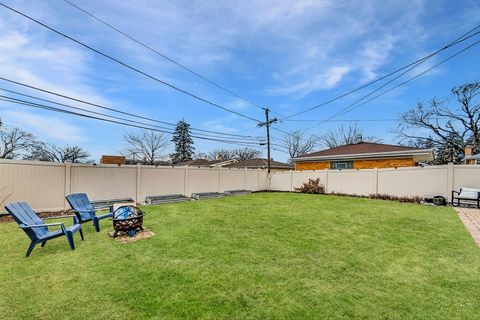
point(260, 256)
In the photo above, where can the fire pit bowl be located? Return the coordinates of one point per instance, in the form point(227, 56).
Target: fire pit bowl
point(127, 219)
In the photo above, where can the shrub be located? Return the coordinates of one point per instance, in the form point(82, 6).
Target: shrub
point(311, 186)
point(412, 199)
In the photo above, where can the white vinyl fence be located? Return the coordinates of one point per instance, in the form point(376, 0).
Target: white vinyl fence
point(44, 184)
point(409, 181)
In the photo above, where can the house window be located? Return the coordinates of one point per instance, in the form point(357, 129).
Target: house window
point(341, 165)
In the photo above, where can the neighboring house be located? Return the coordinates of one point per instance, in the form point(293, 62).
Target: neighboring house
point(113, 160)
point(260, 163)
point(205, 163)
point(363, 155)
point(471, 158)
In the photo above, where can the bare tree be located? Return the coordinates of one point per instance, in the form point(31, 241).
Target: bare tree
point(346, 135)
point(221, 154)
point(50, 152)
point(200, 156)
point(299, 144)
point(14, 142)
point(237, 154)
point(247, 153)
point(445, 127)
point(149, 146)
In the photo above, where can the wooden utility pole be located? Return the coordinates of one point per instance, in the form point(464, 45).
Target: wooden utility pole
point(267, 124)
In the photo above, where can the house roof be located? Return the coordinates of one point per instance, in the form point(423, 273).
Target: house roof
point(362, 150)
point(199, 162)
point(259, 163)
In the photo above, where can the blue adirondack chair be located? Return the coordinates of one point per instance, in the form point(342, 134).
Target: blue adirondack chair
point(36, 229)
point(84, 210)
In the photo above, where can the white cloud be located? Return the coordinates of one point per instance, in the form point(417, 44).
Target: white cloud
point(325, 80)
point(44, 127)
point(238, 104)
point(375, 54)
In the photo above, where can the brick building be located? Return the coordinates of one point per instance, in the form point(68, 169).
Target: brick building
point(363, 155)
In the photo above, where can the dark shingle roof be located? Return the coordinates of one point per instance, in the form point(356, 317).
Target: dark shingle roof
point(259, 163)
point(199, 162)
point(359, 148)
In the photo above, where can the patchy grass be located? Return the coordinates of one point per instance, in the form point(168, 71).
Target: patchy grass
point(261, 256)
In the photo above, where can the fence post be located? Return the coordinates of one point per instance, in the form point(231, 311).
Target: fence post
point(269, 180)
point(68, 183)
point(185, 182)
point(376, 181)
point(220, 173)
point(138, 190)
point(326, 181)
point(258, 179)
point(291, 180)
point(450, 177)
point(245, 172)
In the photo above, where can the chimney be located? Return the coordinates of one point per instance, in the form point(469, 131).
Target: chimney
point(468, 151)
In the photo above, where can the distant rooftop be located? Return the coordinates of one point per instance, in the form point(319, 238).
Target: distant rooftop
point(259, 163)
point(364, 149)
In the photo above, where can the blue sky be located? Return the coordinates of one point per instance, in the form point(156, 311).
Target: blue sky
point(287, 55)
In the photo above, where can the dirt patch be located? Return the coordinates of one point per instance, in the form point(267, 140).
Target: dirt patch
point(7, 218)
point(141, 234)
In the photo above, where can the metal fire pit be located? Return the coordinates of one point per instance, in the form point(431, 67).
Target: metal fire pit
point(127, 219)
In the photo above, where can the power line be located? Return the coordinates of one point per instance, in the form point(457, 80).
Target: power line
point(417, 62)
point(103, 114)
point(345, 110)
point(107, 56)
point(50, 108)
point(350, 107)
point(341, 120)
point(113, 109)
point(162, 54)
point(412, 78)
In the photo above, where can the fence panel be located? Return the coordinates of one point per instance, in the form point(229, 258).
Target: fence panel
point(263, 181)
point(252, 180)
point(104, 182)
point(414, 181)
point(467, 176)
point(160, 181)
point(202, 180)
point(232, 179)
point(41, 184)
point(359, 182)
point(280, 181)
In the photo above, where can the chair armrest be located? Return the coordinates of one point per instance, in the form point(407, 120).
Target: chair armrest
point(60, 217)
point(23, 226)
point(453, 192)
point(103, 207)
point(75, 210)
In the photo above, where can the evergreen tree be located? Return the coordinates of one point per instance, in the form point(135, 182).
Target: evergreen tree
point(184, 149)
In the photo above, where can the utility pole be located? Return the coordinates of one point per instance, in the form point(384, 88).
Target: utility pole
point(267, 124)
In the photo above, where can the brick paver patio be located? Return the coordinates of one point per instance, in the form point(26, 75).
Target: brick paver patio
point(471, 219)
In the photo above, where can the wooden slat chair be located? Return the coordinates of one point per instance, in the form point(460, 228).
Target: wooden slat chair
point(84, 210)
point(36, 229)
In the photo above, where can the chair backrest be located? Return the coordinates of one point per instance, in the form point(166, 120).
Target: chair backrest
point(469, 193)
point(24, 215)
point(80, 202)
